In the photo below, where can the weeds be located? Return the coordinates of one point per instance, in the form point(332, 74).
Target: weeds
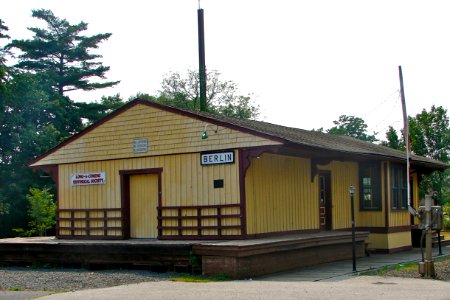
point(201, 278)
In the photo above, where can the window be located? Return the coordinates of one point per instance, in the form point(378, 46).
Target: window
point(398, 188)
point(370, 186)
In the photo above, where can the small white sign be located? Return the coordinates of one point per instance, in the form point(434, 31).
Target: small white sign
point(140, 146)
point(217, 158)
point(88, 178)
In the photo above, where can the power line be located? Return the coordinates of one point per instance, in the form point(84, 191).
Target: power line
point(381, 103)
point(392, 110)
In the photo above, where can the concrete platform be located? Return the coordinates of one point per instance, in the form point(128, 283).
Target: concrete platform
point(249, 258)
point(235, 258)
point(89, 253)
point(342, 270)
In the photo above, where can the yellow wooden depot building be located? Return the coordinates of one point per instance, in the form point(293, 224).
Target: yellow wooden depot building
point(153, 171)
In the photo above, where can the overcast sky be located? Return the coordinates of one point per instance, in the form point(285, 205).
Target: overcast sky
point(305, 62)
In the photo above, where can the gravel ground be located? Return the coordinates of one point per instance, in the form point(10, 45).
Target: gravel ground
point(442, 269)
point(26, 278)
point(62, 280)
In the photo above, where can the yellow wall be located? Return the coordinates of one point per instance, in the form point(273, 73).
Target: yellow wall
point(184, 182)
point(366, 218)
point(143, 204)
point(396, 217)
point(389, 240)
point(399, 239)
point(280, 195)
point(343, 174)
point(415, 196)
point(167, 133)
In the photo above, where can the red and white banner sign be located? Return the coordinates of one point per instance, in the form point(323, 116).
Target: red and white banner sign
point(88, 178)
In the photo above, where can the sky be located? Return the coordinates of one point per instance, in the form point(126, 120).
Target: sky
point(304, 63)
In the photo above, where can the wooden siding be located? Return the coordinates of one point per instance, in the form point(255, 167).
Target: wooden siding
point(378, 241)
point(389, 240)
point(396, 217)
point(184, 183)
point(280, 195)
point(167, 133)
point(343, 175)
point(415, 196)
point(94, 222)
point(399, 239)
point(366, 218)
point(143, 206)
point(178, 222)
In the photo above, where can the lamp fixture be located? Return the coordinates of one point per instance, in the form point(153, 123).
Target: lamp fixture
point(205, 133)
point(352, 190)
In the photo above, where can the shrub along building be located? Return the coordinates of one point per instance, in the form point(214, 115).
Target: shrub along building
point(153, 171)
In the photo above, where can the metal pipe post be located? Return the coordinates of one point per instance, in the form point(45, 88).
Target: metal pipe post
point(352, 193)
point(429, 264)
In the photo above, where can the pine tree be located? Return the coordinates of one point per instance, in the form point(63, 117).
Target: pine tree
point(61, 54)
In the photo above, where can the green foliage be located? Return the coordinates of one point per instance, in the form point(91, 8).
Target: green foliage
point(27, 129)
point(94, 111)
point(42, 212)
point(202, 278)
point(3, 53)
point(196, 261)
point(221, 96)
point(352, 126)
point(41, 265)
point(4, 207)
point(393, 141)
point(446, 209)
point(430, 137)
point(60, 54)
point(35, 115)
point(430, 133)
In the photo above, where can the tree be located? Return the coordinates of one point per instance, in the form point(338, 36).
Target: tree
point(430, 137)
point(35, 114)
point(26, 130)
point(41, 211)
point(221, 96)
point(94, 111)
point(61, 55)
point(430, 134)
point(393, 140)
point(3, 53)
point(352, 126)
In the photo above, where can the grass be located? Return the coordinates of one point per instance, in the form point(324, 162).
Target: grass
point(407, 266)
point(201, 278)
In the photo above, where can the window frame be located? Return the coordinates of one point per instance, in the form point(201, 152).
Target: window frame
point(398, 187)
point(371, 170)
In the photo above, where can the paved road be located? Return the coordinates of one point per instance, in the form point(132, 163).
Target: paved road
point(362, 287)
point(327, 281)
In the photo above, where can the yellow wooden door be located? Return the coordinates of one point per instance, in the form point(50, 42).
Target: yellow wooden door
point(143, 204)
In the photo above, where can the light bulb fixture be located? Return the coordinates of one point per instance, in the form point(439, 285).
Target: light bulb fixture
point(352, 190)
point(205, 133)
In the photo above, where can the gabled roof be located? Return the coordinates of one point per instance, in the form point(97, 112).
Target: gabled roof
point(287, 135)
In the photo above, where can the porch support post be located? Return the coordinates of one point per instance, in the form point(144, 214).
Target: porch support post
point(352, 193)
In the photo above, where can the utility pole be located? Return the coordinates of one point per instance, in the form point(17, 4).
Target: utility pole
point(201, 56)
point(407, 142)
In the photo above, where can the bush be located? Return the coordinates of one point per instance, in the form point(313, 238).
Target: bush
point(41, 211)
point(446, 209)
